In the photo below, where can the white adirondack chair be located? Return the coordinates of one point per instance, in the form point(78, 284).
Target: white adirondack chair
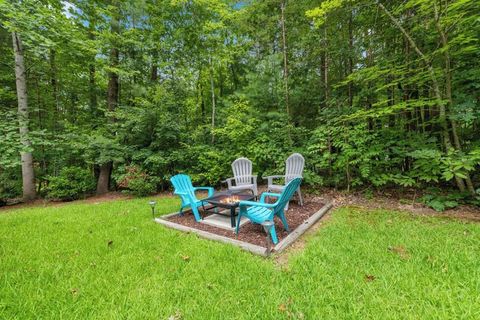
point(293, 169)
point(242, 175)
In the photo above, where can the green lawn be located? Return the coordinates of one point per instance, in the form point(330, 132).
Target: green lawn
point(56, 262)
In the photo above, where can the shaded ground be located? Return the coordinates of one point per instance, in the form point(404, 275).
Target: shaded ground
point(405, 200)
point(393, 200)
point(254, 233)
point(111, 196)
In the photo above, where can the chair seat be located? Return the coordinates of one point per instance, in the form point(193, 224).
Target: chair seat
point(198, 203)
point(258, 214)
point(276, 187)
point(242, 187)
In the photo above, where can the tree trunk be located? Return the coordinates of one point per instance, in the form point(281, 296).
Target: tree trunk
point(448, 90)
point(212, 88)
point(154, 72)
point(104, 178)
point(324, 70)
point(28, 174)
point(285, 58)
point(92, 87)
point(112, 102)
point(350, 59)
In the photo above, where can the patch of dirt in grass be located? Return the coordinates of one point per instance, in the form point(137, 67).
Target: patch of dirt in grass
point(254, 233)
point(111, 196)
point(401, 251)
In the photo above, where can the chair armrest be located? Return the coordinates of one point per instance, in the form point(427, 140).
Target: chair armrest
point(185, 197)
point(256, 204)
point(270, 178)
point(209, 189)
point(269, 194)
point(228, 181)
point(274, 177)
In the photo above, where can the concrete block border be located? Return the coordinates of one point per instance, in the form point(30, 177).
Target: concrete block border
point(255, 249)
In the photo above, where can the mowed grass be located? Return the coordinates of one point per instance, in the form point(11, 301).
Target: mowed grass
point(110, 261)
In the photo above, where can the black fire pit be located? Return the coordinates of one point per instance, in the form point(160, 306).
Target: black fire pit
point(228, 200)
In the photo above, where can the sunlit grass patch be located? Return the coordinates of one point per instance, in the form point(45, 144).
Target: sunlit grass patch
point(110, 260)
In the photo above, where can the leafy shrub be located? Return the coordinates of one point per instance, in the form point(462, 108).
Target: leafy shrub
point(10, 186)
point(136, 181)
point(72, 183)
point(439, 202)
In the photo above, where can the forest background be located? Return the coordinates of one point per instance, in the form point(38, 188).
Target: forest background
point(100, 95)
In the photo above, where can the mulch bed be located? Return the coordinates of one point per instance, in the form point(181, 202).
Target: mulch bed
point(254, 233)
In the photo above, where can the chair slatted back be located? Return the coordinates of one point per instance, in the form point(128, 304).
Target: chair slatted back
point(294, 167)
point(287, 194)
point(242, 171)
point(183, 183)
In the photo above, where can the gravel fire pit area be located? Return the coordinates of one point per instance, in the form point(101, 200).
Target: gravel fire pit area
point(251, 237)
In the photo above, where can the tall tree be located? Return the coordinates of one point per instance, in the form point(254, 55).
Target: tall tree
point(28, 173)
point(103, 182)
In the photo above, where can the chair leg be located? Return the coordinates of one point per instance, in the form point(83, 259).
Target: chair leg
point(284, 221)
point(238, 222)
point(300, 196)
point(286, 206)
point(255, 191)
point(196, 214)
point(273, 235)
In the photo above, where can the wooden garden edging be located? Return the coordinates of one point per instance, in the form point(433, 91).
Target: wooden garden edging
point(282, 245)
point(258, 250)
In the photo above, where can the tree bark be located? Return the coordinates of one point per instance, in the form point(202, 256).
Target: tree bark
point(28, 174)
point(104, 178)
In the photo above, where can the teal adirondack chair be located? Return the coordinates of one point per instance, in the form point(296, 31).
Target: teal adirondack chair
point(259, 212)
point(186, 191)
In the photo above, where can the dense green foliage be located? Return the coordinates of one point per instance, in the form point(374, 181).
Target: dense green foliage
point(110, 261)
point(70, 184)
point(135, 181)
point(370, 95)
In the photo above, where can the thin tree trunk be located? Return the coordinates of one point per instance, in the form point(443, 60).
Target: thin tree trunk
point(154, 70)
point(28, 174)
point(212, 88)
point(92, 88)
point(234, 77)
point(448, 90)
point(436, 89)
point(325, 65)
point(350, 59)
point(285, 58)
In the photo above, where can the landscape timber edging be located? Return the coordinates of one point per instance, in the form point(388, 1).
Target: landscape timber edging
point(282, 245)
point(212, 236)
point(255, 249)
